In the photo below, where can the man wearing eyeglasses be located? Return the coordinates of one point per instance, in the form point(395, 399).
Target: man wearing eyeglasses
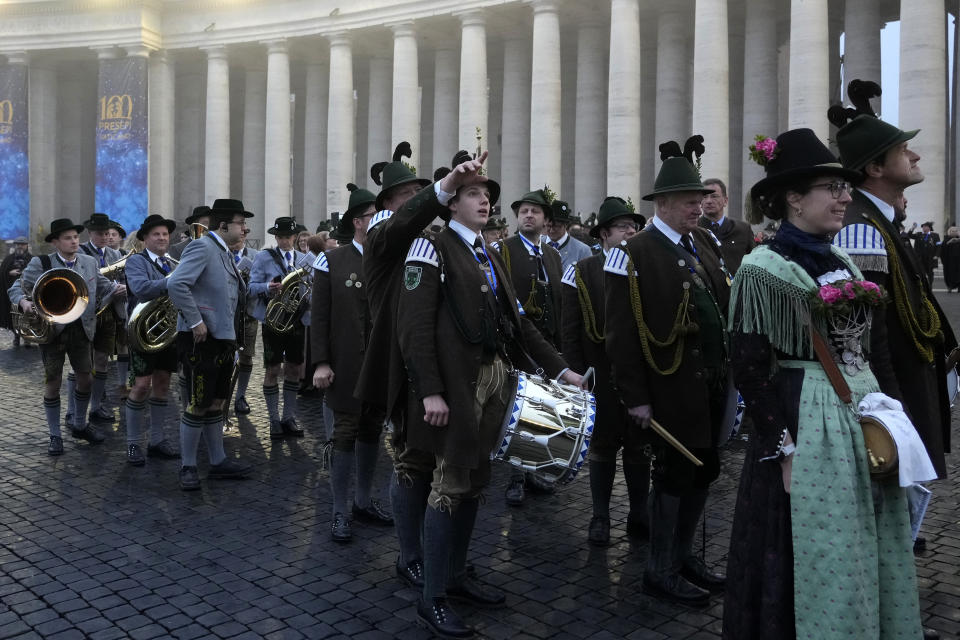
point(735, 236)
point(583, 346)
point(558, 236)
point(918, 334)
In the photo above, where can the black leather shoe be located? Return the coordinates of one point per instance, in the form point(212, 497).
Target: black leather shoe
point(340, 530)
point(135, 456)
point(102, 415)
point(276, 430)
point(696, 572)
point(240, 406)
point(479, 595)
point(536, 484)
point(189, 479)
point(55, 448)
point(930, 634)
point(229, 469)
point(441, 619)
point(88, 433)
point(374, 513)
point(637, 529)
point(514, 494)
point(163, 449)
point(412, 574)
point(674, 588)
point(291, 428)
point(599, 532)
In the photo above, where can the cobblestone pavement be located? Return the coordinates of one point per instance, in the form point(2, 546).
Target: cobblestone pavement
point(93, 548)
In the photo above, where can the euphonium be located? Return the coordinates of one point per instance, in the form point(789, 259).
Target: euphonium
point(59, 296)
point(285, 310)
point(152, 325)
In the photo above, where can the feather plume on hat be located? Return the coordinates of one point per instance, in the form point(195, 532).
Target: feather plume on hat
point(859, 92)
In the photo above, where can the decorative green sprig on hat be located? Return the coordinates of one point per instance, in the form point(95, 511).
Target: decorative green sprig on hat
point(548, 194)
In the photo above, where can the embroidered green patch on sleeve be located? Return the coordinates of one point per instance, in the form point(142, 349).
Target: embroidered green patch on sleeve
point(411, 277)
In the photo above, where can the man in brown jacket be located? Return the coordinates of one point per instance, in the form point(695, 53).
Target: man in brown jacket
point(666, 298)
point(339, 327)
point(460, 327)
point(583, 346)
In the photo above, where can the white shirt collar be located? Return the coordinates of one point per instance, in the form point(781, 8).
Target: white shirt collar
point(65, 261)
point(885, 208)
point(719, 222)
point(562, 240)
point(529, 245)
point(358, 246)
point(465, 234)
point(153, 256)
point(666, 230)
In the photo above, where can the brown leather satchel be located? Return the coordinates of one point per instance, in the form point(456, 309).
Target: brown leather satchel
point(881, 447)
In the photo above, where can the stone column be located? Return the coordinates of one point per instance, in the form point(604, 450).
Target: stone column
point(379, 118)
point(276, 159)
point(809, 81)
point(254, 144)
point(862, 23)
point(923, 104)
point(545, 125)
point(42, 145)
point(406, 92)
point(623, 104)
point(711, 84)
point(759, 82)
point(590, 128)
point(474, 98)
point(515, 162)
point(216, 172)
point(341, 126)
point(446, 106)
point(160, 105)
point(674, 67)
point(315, 145)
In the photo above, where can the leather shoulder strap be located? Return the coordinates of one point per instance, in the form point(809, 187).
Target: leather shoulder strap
point(830, 367)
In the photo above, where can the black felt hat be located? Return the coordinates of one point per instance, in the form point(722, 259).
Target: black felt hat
point(60, 225)
point(799, 156)
point(198, 212)
point(227, 208)
point(863, 136)
point(285, 226)
point(119, 227)
point(612, 209)
point(152, 221)
point(98, 222)
point(393, 174)
point(561, 212)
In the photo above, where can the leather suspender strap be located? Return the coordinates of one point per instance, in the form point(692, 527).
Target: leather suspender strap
point(830, 367)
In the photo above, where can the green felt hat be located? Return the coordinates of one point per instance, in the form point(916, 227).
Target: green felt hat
point(867, 137)
point(360, 199)
point(537, 197)
point(393, 174)
point(612, 209)
point(676, 174)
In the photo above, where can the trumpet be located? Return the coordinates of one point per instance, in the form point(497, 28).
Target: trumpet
point(114, 272)
point(59, 296)
point(285, 310)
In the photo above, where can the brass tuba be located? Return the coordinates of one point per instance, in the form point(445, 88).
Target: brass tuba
point(152, 325)
point(286, 309)
point(59, 296)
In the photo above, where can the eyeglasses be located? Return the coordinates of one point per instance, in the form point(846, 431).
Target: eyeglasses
point(626, 226)
point(837, 188)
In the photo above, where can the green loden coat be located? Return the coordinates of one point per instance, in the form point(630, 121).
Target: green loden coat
point(680, 400)
point(440, 358)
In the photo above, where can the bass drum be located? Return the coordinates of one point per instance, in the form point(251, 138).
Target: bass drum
point(547, 429)
point(953, 385)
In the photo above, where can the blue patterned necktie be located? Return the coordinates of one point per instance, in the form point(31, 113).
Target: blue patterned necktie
point(103, 261)
point(287, 255)
point(555, 245)
point(164, 265)
point(236, 257)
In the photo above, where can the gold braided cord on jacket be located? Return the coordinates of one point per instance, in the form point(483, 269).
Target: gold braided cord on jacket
point(530, 306)
point(586, 309)
point(681, 325)
point(928, 324)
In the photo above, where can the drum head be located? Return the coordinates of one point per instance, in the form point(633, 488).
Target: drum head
point(953, 385)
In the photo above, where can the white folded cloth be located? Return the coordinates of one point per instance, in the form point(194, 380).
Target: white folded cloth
point(914, 463)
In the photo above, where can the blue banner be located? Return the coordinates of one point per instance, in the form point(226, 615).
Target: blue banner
point(14, 168)
point(122, 167)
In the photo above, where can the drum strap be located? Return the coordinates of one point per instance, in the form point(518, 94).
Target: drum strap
point(830, 367)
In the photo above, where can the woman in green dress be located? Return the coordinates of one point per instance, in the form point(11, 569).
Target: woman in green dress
point(818, 550)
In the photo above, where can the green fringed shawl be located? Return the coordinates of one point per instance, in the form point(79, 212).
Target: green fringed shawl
point(772, 296)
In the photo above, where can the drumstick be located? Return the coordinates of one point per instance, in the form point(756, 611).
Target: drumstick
point(673, 442)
